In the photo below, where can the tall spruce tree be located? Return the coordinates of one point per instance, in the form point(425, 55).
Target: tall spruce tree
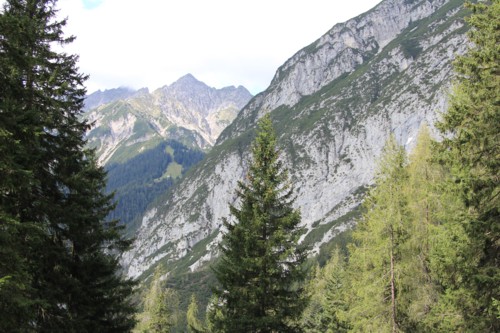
point(472, 149)
point(261, 266)
point(52, 201)
point(15, 293)
point(440, 250)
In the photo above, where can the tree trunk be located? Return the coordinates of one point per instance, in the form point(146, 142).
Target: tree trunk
point(393, 289)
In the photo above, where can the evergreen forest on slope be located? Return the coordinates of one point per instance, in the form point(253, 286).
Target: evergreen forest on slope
point(424, 256)
point(139, 181)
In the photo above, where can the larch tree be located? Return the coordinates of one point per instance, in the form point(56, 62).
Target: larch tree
point(472, 149)
point(194, 324)
point(52, 203)
point(376, 255)
point(429, 210)
point(260, 272)
point(161, 306)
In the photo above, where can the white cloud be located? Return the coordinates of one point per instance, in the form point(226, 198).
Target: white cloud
point(150, 43)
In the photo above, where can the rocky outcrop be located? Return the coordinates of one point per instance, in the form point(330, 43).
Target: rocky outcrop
point(333, 104)
point(188, 111)
point(191, 104)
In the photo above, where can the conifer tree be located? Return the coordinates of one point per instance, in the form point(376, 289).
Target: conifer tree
point(439, 295)
point(194, 324)
point(472, 149)
point(313, 318)
point(375, 257)
point(430, 212)
point(52, 201)
point(15, 293)
point(328, 305)
point(160, 306)
point(261, 266)
point(336, 293)
point(213, 315)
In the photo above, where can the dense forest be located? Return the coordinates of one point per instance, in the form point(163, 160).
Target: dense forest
point(139, 181)
point(424, 256)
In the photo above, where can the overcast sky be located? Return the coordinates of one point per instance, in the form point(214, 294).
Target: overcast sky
point(151, 43)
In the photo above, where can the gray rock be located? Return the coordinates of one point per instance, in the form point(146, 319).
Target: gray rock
point(188, 111)
point(334, 104)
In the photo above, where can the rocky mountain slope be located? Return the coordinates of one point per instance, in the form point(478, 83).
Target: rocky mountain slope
point(188, 111)
point(99, 97)
point(333, 104)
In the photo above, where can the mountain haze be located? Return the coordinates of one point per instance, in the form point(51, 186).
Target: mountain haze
point(334, 104)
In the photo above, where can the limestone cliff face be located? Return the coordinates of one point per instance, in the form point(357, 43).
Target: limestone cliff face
point(343, 49)
point(193, 105)
point(333, 104)
point(188, 111)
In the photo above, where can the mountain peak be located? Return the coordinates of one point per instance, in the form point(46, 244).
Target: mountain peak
point(186, 106)
point(188, 80)
point(99, 97)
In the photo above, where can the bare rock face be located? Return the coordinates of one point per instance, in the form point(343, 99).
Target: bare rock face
point(334, 104)
point(188, 110)
point(191, 104)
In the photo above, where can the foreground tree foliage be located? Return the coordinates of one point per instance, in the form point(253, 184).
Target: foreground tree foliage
point(376, 256)
point(59, 268)
point(473, 153)
point(405, 266)
point(425, 256)
point(261, 267)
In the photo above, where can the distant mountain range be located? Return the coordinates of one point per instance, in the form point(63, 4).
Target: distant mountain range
point(147, 141)
point(334, 104)
point(127, 122)
point(99, 97)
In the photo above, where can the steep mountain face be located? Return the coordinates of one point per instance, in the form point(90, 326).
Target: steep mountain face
point(334, 103)
point(187, 111)
point(191, 104)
